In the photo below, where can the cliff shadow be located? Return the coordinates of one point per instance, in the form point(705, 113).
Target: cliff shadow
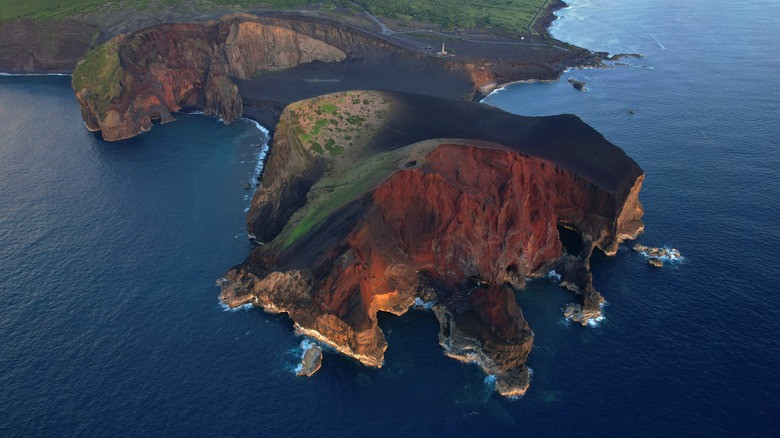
point(571, 240)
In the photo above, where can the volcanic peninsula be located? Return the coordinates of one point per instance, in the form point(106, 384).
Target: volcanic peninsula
point(387, 186)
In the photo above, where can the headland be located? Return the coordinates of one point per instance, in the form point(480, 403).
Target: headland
point(386, 186)
point(375, 200)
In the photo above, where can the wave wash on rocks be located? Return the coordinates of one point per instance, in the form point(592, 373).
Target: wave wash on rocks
point(133, 79)
point(372, 200)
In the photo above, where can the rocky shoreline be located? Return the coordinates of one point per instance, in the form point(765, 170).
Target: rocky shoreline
point(402, 216)
point(260, 64)
point(373, 201)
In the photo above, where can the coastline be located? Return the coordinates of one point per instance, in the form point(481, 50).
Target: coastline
point(490, 63)
point(542, 24)
point(8, 74)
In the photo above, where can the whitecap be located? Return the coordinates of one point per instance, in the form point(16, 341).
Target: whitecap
point(420, 304)
point(496, 91)
point(34, 74)
point(595, 322)
point(258, 125)
point(672, 255)
point(565, 322)
point(227, 308)
point(552, 275)
point(490, 381)
point(300, 351)
point(264, 147)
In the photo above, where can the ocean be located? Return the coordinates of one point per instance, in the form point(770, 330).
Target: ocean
point(110, 323)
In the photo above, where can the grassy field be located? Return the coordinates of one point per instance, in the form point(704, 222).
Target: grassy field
point(101, 74)
point(511, 15)
point(58, 9)
point(339, 188)
point(508, 15)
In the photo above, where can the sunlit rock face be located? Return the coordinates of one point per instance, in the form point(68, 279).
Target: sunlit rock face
point(133, 79)
point(404, 215)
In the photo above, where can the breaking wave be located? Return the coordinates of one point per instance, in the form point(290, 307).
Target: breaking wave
point(258, 171)
point(666, 254)
point(420, 304)
point(227, 308)
point(34, 74)
point(595, 322)
point(300, 351)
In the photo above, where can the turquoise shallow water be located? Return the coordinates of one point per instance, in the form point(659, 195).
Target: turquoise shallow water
point(110, 323)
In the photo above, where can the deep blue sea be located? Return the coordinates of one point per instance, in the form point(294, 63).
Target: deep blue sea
point(110, 323)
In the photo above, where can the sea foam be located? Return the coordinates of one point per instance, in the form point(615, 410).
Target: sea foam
point(258, 171)
point(420, 304)
point(300, 351)
point(227, 308)
point(595, 322)
point(34, 74)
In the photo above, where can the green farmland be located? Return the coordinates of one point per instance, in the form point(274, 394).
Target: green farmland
point(509, 15)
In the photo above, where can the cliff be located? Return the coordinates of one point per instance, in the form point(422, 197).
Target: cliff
point(133, 79)
point(373, 201)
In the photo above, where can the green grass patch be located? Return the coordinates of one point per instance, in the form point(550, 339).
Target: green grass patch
point(355, 120)
point(328, 108)
point(101, 74)
point(506, 15)
point(59, 9)
point(333, 192)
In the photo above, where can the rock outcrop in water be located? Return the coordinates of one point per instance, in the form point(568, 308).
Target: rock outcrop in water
point(657, 256)
point(372, 201)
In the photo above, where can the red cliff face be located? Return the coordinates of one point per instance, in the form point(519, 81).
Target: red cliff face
point(461, 230)
point(134, 79)
point(443, 204)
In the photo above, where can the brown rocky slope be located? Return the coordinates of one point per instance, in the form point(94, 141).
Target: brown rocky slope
point(126, 83)
point(138, 77)
point(423, 199)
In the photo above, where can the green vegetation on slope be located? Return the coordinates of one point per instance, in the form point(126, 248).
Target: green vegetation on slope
point(340, 129)
point(511, 15)
point(98, 72)
point(339, 188)
point(58, 9)
point(46, 9)
point(507, 15)
point(328, 124)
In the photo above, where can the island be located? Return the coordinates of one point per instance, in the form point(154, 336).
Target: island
point(388, 186)
point(377, 201)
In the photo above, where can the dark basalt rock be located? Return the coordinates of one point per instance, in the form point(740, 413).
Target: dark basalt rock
point(405, 216)
point(579, 85)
